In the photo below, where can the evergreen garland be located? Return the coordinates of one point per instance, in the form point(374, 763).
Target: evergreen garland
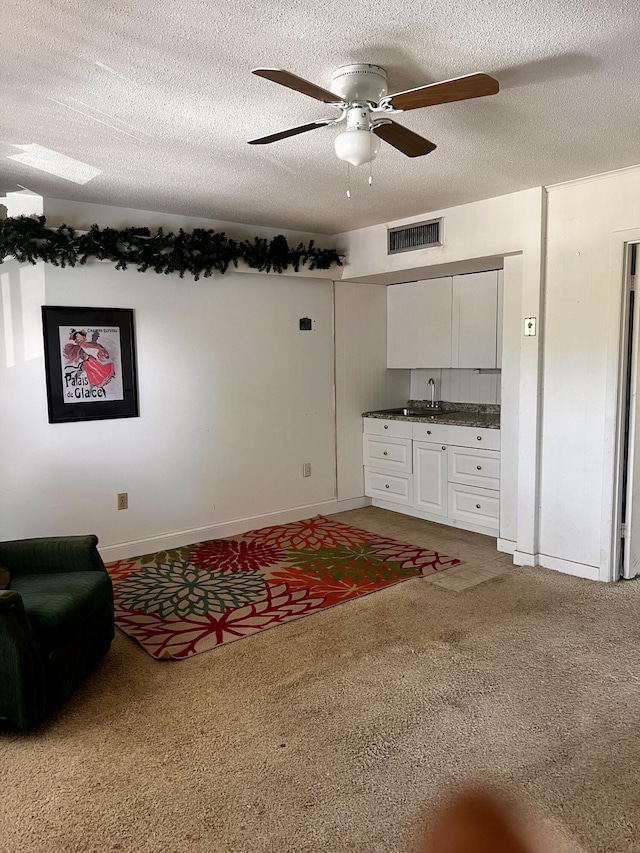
point(200, 252)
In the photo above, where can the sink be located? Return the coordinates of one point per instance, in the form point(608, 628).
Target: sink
point(410, 413)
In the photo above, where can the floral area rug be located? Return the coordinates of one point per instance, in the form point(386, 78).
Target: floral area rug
point(188, 600)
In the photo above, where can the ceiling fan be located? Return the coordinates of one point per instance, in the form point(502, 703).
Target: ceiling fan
point(360, 93)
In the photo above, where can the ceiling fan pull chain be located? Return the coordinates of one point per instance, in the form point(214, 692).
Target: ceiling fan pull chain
point(349, 182)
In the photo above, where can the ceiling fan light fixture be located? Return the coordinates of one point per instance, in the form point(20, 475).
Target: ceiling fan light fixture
point(360, 92)
point(357, 146)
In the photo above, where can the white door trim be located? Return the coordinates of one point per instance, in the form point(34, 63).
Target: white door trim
point(613, 450)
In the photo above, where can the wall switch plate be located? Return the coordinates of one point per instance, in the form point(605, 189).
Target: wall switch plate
point(123, 500)
point(306, 469)
point(530, 326)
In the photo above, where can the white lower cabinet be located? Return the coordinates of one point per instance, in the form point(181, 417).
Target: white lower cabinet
point(453, 477)
point(430, 477)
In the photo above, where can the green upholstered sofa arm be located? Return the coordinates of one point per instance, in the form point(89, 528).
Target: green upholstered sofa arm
point(10, 601)
point(52, 554)
point(22, 670)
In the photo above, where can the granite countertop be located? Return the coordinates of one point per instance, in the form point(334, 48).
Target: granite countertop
point(481, 415)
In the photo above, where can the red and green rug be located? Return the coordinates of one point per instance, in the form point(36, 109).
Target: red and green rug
point(188, 600)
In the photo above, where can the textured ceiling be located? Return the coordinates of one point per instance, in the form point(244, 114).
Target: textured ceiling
point(159, 97)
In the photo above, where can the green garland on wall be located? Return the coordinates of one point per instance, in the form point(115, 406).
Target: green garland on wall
point(200, 252)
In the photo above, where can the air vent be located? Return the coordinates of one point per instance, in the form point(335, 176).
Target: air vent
point(419, 236)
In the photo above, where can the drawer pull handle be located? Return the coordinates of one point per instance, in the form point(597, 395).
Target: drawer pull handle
point(387, 486)
point(428, 432)
point(477, 505)
point(478, 467)
point(478, 438)
point(386, 426)
point(443, 447)
point(384, 452)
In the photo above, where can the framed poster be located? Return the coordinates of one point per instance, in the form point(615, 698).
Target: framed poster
point(90, 363)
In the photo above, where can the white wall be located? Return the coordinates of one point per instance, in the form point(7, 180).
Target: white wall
point(488, 230)
point(363, 382)
point(82, 215)
point(234, 398)
point(23, 203)
point(456, 385)
point(558, 467)
point(559, 389)
point(476, 236)
point(586, 224)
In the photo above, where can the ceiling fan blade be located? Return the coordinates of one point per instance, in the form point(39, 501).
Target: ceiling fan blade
point(403, 139)
point(458, 89)
point(292, 131)
point(298, 84)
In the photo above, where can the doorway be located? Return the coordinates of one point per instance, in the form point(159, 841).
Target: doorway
point(627, 529)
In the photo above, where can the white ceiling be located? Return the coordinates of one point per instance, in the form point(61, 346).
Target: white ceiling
point(160, 98)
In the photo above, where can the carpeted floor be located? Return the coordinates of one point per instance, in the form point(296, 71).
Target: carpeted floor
point(342, 731)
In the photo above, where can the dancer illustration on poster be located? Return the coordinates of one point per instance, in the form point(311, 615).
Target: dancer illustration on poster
point(91, 364)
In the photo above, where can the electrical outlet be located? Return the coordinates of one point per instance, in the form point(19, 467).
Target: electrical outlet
point(123, 500)
point(306, 469)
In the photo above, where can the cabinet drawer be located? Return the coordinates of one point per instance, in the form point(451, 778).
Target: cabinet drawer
point(474, 505)
point(438, 433)
point(387, 453)
point(463, 436)
point(472, 467)
point(397, 488)
point(379, 426)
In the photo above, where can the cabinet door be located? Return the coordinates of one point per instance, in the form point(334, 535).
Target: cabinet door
point(430, 477)
point(419, 323)
point(475, 311)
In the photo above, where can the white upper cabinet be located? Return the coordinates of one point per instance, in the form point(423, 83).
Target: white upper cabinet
point(475, 320)
point(419, 323)
point(445, 322)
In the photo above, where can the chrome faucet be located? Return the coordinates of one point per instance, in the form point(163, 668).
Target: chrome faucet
point(432, 385)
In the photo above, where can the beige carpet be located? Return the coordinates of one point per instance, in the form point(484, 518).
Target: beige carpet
point(342, 731)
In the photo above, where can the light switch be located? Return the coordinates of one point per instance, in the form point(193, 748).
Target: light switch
point(529, 326)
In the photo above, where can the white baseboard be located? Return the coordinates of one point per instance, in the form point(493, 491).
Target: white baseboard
point(346, 505)
point(557, 564)
point(523, 558)
point(506, 546)
point(579, 570)
point(136, 547)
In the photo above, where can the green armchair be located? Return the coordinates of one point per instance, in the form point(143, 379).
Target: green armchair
point(56, 622)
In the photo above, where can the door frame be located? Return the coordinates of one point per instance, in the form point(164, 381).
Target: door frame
point(620, 273)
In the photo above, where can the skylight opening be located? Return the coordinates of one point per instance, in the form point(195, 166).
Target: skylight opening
point(54, 163)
